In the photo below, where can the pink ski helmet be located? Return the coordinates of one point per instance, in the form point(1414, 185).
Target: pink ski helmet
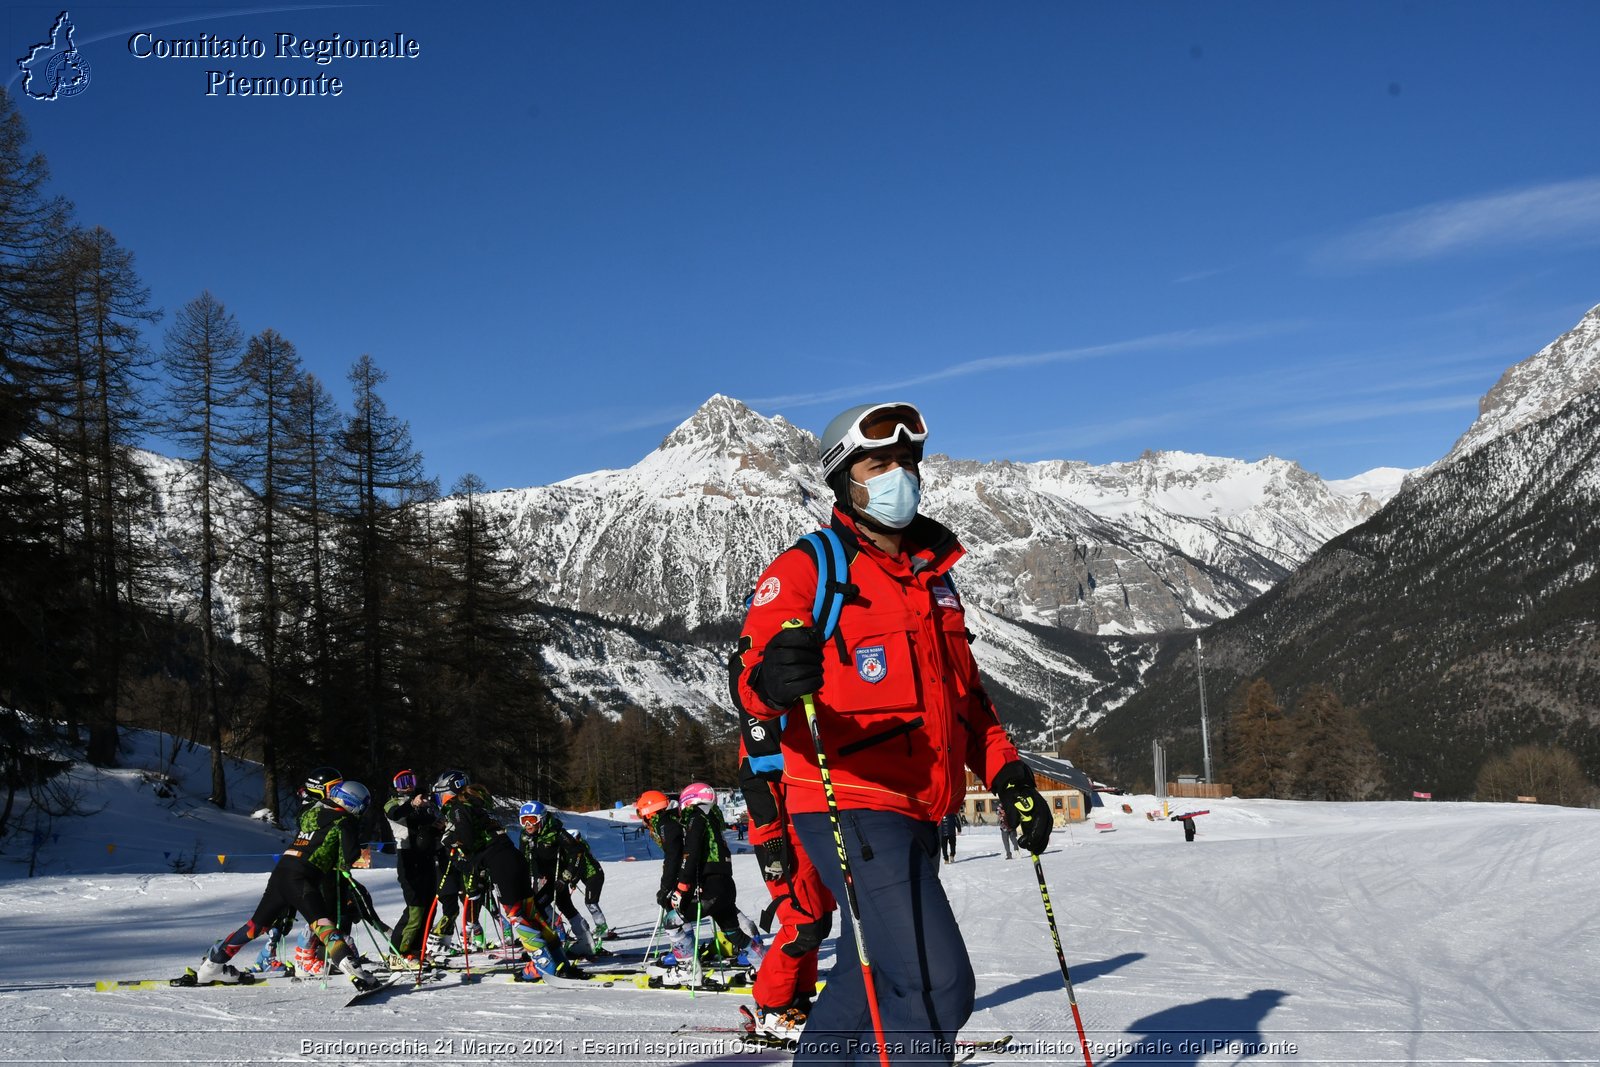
point(698, 793)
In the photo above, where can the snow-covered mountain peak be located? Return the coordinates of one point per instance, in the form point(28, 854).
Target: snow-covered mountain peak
point(723, 424)
point(726, 447)
point(1538, 386)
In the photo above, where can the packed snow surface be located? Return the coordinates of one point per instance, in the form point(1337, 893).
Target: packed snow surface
point(1287, 933)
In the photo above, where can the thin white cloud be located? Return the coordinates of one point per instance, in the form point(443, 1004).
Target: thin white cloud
point(1176, 339)
point(1367, 412)
point(1331, 392)
point(1559, 212)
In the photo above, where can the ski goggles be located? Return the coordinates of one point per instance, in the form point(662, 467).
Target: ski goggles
point(405, 782)
point(877, 427)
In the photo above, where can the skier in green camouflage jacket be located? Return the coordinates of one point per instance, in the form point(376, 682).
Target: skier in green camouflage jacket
point(328, 844)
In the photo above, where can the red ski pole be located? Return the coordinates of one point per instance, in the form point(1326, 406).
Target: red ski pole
point(427, 932)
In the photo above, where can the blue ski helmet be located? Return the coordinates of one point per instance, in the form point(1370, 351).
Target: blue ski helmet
point(531, 815)
point(350, 796)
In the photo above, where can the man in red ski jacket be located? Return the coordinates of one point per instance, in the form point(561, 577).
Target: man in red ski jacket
point(902, 713)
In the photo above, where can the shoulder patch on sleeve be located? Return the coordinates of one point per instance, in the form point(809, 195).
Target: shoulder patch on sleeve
point(768, 591)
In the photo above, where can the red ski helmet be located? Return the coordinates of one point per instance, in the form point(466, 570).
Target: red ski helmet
point(650, 802)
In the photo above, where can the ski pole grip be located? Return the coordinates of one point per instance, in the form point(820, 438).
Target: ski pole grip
point(809, 699)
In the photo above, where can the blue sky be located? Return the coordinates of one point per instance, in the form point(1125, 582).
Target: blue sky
point(1067, 230)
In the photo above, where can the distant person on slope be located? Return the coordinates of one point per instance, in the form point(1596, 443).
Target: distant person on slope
point(901, 713)
point(297, 883)
point(949, 827)
point(1008, 836)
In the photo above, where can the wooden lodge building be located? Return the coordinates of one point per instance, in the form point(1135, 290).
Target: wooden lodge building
point(1061, 783)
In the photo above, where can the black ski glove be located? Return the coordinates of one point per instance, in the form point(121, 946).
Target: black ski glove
point(790, 667)
point(664, 898)
point(776, 859)
point(1026, 810)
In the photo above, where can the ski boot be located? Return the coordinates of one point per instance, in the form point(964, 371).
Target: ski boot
point(778, 1026)
point(539, 966)
point(441, 948)
point(216, 972)
point(752, 955)
point(671, 970)
point(360, 977)
point(582, 942)
point(597, 920)
point(307, 962)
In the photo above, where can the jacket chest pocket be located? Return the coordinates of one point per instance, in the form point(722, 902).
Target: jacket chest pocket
point(959, 663)
point(879, 671)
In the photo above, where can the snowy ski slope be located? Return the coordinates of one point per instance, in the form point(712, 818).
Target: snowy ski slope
point(1287, 933)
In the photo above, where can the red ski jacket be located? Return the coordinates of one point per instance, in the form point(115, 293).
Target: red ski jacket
point(901, 709)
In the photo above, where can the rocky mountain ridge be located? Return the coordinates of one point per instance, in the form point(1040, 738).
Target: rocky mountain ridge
point(1462, 619)
point(1537, 387)
point(1162, 542)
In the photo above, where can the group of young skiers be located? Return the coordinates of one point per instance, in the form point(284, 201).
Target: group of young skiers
point(454, 860)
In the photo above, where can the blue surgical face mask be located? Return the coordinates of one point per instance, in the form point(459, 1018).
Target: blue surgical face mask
point(892, 497)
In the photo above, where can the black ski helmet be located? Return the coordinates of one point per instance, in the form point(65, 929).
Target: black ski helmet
point(449, 784)
point(317, 782)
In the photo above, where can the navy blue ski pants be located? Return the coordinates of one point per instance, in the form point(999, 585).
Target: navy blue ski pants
point(919, 961)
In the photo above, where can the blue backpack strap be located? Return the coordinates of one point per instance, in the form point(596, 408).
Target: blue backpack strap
point(814, 546)
point(763, 754)
point(833, 569)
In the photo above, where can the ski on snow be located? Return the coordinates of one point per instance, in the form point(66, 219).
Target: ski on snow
point(253, 979)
